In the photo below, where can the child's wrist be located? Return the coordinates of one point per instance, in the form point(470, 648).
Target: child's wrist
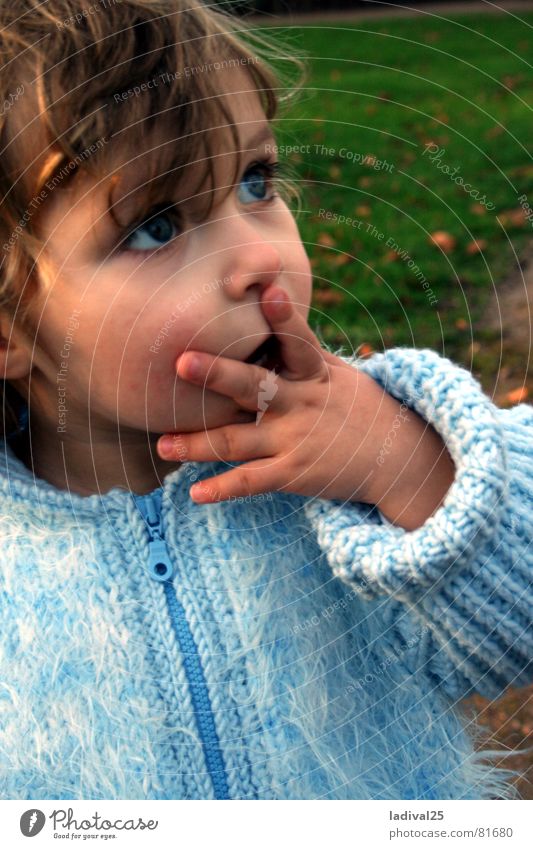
point(412, 470)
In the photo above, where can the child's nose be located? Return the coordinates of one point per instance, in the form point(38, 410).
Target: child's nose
point(250, 260)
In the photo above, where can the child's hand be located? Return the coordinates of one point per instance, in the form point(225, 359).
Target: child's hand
point(323, 425)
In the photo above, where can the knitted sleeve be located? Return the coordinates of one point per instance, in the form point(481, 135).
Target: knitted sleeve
point(466, 574)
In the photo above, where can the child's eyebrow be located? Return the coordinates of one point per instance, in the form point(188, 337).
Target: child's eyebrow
point(264, 134)
point(129, 199)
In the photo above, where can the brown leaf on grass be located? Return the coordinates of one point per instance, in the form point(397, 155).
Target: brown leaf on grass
point(365, 182)
point(363, 211)
point(518, 217)
point(476, 247)
point(391, 256)
point(512, 217)
point(341, 259)
point(326, 297)
point(334, 172)
point(478, 209)
point(443, 240)
point(326, 240)
point(512, 81)
point(461, 324)
point(516, 396)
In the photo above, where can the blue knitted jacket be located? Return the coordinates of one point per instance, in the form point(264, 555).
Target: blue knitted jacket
point(284, 647)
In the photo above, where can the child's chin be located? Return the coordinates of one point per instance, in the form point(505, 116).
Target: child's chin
point(229, 418)
point(221, 418)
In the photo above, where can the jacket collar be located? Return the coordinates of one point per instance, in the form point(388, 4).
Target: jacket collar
point(19, 484)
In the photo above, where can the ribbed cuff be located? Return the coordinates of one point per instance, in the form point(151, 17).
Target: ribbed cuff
point(376, 558)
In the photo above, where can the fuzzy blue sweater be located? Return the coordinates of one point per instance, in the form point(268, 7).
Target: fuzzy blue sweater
point(286, 648)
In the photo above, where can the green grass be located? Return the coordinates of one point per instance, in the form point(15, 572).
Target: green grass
point(388, 88)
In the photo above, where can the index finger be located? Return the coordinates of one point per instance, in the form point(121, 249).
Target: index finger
point(301, 353)
point(241, 381)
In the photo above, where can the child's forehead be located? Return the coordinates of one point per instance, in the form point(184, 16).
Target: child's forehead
point(133, 164)
point(251, 132)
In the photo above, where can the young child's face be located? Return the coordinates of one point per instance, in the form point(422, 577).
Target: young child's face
point(140, 310)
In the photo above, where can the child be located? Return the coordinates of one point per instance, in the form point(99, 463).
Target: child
point(308, 628)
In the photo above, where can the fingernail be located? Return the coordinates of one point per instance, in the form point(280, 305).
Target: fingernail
point(165, 446)
point(281, 299)
point(198, 492)
point(193, 366)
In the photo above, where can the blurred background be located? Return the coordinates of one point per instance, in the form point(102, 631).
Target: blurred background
point(411, 143)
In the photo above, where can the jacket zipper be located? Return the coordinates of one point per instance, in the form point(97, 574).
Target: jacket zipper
point(160, 569)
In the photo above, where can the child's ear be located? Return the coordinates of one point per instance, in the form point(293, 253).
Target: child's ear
point(15, 352)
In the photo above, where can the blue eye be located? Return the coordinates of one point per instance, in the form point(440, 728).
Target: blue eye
point(162, 225)
point(152, 234)
point(256, 182)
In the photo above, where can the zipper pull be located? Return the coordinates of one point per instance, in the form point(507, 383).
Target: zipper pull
point(159, 565)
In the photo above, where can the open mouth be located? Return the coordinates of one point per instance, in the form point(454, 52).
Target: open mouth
point(267, 355)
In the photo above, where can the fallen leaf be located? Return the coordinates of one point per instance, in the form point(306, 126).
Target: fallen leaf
point(341, 259)
point(461, 324)
point(335, 172)
point(443, 240)
point(326, 297)
point(365, 182)
point(391, 256)
point(516, 396)
point(365, 350)
point(510, 82)
point(514, 217)
point(478, 209)
point(326, 240)
point(363, 211)
point(476, 246)
point(518, 217)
